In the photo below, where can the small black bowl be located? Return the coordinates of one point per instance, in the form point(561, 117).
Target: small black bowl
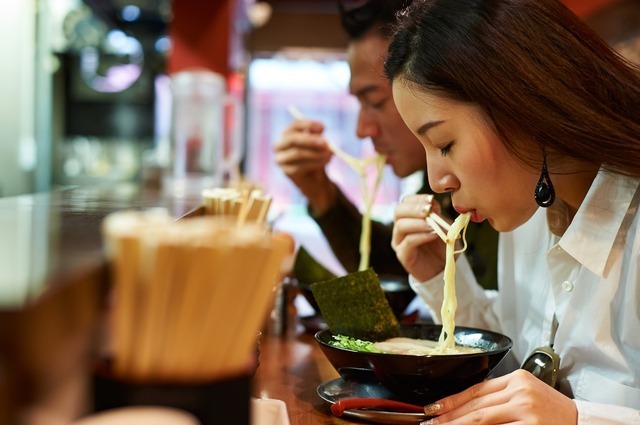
point(421, 379)
point(398, 292)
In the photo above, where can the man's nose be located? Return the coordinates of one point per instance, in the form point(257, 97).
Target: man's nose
point(366, 127)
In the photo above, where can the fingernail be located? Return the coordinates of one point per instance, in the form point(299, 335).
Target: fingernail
point(429, 422)
point(431, 409)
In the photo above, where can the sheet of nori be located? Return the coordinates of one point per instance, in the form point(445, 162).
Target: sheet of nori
point(355, 305)
point(308, 271)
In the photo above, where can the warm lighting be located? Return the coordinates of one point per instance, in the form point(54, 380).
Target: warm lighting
point(259, 14)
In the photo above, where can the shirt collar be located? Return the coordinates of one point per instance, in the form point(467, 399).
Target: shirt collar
point(591, 235)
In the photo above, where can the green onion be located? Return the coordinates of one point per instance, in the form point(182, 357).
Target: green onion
point(354, 344)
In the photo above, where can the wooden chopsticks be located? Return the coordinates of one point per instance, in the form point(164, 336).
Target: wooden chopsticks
point(190, 296)
point(246, 205)
point(438, 223)
point(454, 231)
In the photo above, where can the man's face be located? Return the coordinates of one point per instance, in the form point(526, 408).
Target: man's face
point(378, 117)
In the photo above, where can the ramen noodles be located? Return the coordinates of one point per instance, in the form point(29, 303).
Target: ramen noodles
point(447, 341)
point(359, 165)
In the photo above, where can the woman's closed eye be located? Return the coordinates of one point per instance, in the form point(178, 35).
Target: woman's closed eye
point(444, 151)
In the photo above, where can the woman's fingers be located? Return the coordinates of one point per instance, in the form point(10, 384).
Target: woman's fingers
point(404, 227)
point(416, 206)
point(516, 398)
point(467, 397)
point(413, 238)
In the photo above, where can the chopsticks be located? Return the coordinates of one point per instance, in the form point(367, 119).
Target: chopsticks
point(190, 296)
point(437, 223)
point(246, 205)
point(453, 231)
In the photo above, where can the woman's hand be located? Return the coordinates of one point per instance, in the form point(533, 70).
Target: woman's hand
point(516, 398)
point(303, 153)
point(417, 246)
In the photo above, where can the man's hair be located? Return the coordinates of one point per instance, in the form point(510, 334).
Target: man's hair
point(359, 17)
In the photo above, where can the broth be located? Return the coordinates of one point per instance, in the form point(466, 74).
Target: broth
point(401, 345)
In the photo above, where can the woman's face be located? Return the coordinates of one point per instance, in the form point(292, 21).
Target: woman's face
point(466, 157)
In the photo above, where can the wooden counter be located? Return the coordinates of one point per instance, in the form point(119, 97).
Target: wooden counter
point(53, 286)
point(53, 296)
point(291, 368)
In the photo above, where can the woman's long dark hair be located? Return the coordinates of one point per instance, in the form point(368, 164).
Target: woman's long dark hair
point(534, 67)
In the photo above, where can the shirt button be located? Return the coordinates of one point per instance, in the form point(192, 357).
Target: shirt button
point(567, 286)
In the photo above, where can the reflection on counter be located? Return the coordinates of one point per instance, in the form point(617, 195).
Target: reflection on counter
point(90, 160)
point(23, 252)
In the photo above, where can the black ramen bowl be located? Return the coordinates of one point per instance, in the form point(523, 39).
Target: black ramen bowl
point(421, 379)
point(396, 289)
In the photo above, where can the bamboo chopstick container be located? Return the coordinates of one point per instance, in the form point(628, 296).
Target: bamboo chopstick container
point(190, 298)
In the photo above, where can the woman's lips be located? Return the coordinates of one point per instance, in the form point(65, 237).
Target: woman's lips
point(475, 216)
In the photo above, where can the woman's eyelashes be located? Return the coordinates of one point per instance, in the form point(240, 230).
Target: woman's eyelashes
point(444, 151)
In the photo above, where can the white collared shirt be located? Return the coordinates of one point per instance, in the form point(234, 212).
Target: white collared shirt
point(590, 279)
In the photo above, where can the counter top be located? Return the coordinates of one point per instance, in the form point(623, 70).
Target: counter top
point(53, 299)
point(51, 239)
point(292, 366)
point(53, 296)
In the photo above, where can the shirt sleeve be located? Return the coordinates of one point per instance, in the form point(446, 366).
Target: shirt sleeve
point(590, 413)
point(475, 305)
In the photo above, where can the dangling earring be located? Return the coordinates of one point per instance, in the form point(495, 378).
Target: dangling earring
point(545, 194)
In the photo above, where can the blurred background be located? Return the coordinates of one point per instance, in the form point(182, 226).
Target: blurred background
point(87, 94)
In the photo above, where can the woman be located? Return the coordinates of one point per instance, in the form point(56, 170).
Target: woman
point(532, 123)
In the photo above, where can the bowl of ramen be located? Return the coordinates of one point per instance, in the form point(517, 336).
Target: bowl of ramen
point(407, 366)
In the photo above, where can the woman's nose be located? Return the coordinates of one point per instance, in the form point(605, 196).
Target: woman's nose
point(441, 179)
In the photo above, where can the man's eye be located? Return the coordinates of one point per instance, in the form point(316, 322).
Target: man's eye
point(379, 104)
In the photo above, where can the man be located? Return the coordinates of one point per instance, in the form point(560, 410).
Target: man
point(303, 152)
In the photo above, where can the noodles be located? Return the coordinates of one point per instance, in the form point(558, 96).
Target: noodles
point(447, 340)
point(365, 235)
point(359, 166)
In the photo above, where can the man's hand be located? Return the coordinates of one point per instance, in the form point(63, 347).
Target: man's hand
point(303, 154)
